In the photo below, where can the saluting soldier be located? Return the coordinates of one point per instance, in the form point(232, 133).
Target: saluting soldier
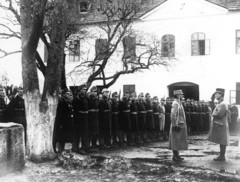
point(141, 117)
point(80, 105)
point(3, 106)
point(63, 127)
point(124, 118)
point(134, 131)
point(105, 121)
point(156, 116)
point(219, 131)
point(115, 119)
point(149, 117)
point(93, 119)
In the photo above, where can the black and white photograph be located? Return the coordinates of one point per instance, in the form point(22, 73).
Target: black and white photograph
point(119, 90)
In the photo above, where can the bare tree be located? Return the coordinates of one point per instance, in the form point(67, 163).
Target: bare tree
point(139, 53)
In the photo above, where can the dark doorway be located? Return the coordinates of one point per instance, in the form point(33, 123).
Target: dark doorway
point(190, 90)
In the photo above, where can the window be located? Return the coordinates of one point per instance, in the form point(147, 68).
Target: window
point(74, 50)
point(168, 46)
point(200, 46)
point(237, 41)
point(101, 50)
point(129, 46)
point(129, 89)
point(83, 7)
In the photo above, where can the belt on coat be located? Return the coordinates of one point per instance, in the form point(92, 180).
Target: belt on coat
point(83, 112)
point(142, 112)
point(149, 110)
point(93, 110)
point(156, 113)
point(133, 112)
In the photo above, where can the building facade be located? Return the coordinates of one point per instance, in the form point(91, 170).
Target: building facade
point(204, 37)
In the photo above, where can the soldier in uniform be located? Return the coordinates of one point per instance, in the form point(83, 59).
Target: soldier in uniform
point(162, 115)
point(124, 118)
point(64, 121)
point(105, 120)
point(81, 126)
point(156, 116)
point(178, 128)
point(149, 117)
point(134, 131)
point(115, 119)
point(16, 111)
point(93, 118)
point(141, 117)
point(234, 116)
point(168, 107)
point(219, 131)
point(3, 106)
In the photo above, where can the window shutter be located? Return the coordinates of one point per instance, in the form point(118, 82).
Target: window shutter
point(129, 45)
point(207, 47)
point(195, 48)
point(101, 48)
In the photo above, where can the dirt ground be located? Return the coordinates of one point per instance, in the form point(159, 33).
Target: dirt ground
point(150, 162)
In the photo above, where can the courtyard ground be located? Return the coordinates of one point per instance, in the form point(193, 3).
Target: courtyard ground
point(150, 162)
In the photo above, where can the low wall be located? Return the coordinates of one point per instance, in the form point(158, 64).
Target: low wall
point(12, 147)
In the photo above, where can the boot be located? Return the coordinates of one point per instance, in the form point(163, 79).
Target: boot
point(221, 157)
point(175, 156)
point(180, 158)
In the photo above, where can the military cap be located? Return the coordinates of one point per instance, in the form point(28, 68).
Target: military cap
point(93, 89)
point(220, 91)
point(155, 97)
point(105, 90)
point(114, 94)
point(81, 87)
point(140, 95)
point(162, 99)
point(177, 92)
point(147, 94)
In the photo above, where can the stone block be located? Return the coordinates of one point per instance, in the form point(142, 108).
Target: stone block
point(12, 147)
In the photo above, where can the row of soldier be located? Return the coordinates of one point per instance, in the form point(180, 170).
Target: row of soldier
point(91, 122)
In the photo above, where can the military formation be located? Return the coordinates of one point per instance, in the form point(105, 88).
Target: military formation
point(92, 120)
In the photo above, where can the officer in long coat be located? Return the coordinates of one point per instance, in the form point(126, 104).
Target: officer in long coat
point(168, 107)
point(149, 116)
point(81, 126)
point(141, 117)
point(219, 130)
point(134, 131)
point(162, 114)
point(93, 118)
point(64, 121)
point(178, 128)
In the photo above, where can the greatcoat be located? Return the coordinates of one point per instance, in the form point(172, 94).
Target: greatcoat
point(178, 139)
point(219, 131)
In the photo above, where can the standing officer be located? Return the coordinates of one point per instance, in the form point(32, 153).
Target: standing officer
point(115, 120)
point(178, 128)
point(105, 121)
point(16, 110)
point(141, 117)
point(80, 105)
point(219, 131)
point(64, 120)
point(93, 119)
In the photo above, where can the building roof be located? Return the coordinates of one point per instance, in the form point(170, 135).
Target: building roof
point(95, 15)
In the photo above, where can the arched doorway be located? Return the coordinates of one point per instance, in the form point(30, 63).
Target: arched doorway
point(190, 90)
